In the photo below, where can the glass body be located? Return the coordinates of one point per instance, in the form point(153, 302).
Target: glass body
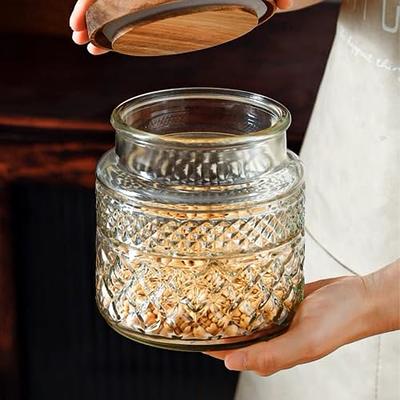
point(200, 220)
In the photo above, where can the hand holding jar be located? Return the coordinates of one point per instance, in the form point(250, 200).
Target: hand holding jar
point(335, 312)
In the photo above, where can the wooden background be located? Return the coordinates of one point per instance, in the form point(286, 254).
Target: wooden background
point(56, 100)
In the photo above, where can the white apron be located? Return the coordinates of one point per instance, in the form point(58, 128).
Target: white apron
point(351, 155)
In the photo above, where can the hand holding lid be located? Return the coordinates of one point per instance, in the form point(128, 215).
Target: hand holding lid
point(163, 27)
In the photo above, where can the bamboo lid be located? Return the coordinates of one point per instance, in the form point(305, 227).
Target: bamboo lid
point(164, 27)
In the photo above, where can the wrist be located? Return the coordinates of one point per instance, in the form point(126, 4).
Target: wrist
point(363, 309)
point(382, 299)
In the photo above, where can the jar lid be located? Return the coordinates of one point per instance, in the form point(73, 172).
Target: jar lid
point(164, 27)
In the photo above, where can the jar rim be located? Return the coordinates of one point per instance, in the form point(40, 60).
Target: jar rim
point(278, 128)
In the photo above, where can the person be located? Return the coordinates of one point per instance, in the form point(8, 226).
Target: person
point(352, 160)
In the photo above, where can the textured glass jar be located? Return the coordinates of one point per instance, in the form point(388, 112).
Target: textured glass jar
point(200, 220)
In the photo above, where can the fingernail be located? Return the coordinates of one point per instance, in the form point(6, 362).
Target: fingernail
point(91, 49)
point(235, 361)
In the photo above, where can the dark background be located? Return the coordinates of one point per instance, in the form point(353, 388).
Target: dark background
point(54, 108)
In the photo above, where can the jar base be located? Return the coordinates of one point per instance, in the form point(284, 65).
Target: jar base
point(201, 345)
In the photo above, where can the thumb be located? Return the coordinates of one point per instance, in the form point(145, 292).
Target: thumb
point(316, 285)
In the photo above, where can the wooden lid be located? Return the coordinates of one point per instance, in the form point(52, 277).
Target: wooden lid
point(163, 27)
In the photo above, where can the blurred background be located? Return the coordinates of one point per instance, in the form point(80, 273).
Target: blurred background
point(54, 108)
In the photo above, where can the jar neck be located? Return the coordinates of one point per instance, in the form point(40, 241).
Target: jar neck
point(200, 136)
point(200, 166)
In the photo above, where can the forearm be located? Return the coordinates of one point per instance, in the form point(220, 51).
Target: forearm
point(383, 296)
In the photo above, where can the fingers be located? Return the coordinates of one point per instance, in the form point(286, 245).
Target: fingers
point(77, 19)
point(80, 37)
point(77, 23)
point(266, 358)
point(95, 51)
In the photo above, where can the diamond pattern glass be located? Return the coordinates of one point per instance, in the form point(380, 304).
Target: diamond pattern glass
point(199, 247)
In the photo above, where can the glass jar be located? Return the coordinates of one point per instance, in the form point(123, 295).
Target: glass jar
point(200, 220)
